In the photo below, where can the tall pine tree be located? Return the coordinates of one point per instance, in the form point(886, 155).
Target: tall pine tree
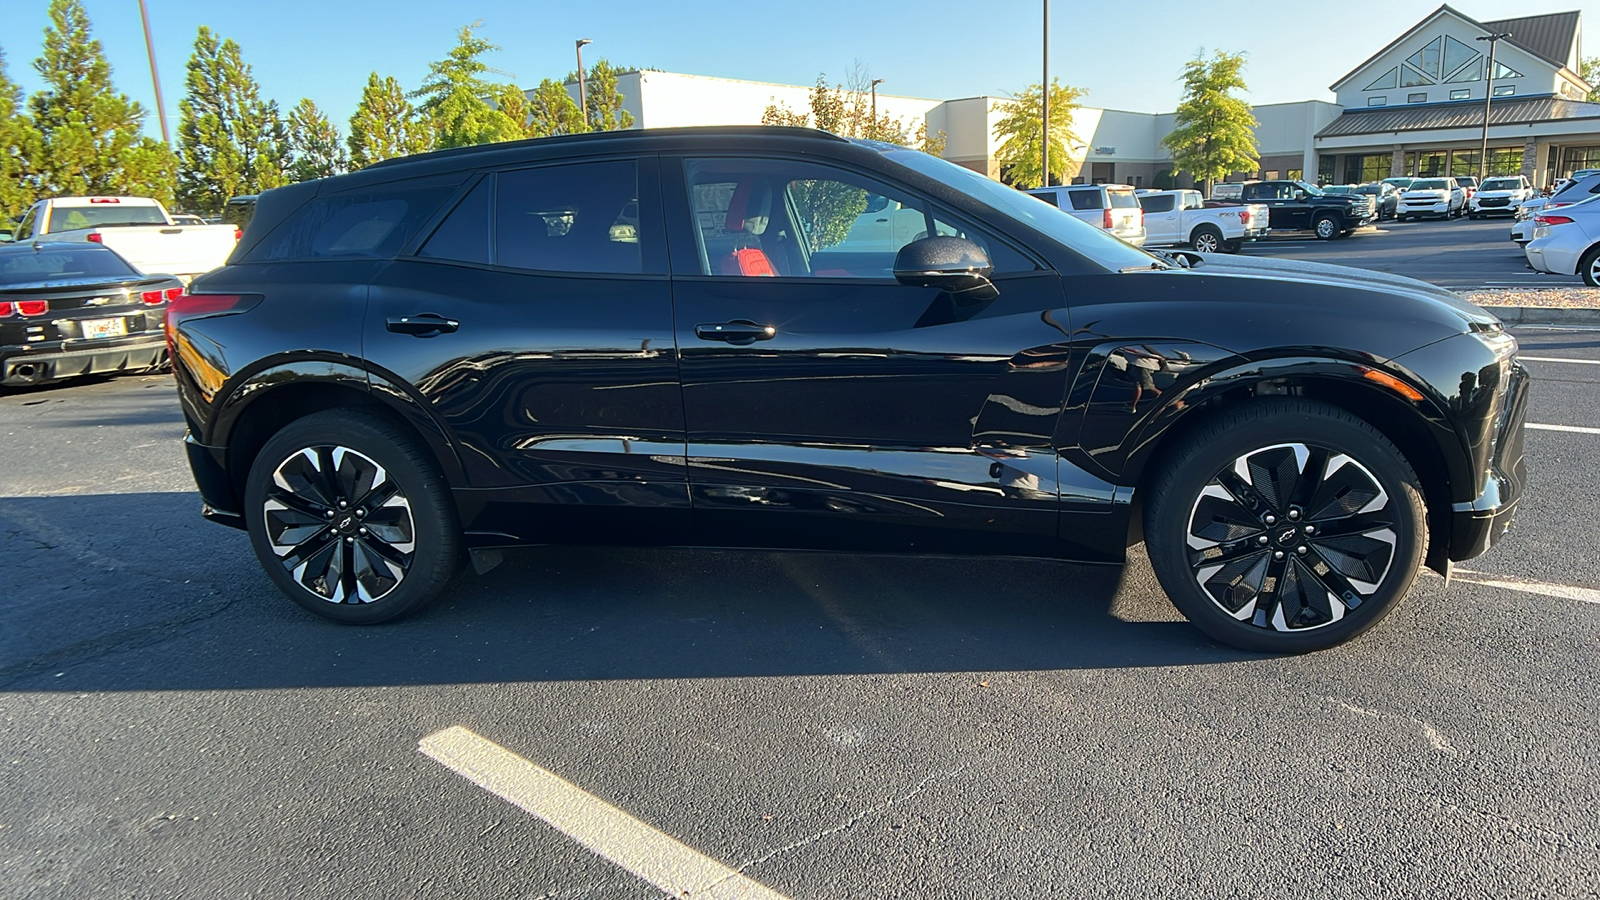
point(90, 140)
point(460, 104)
point(551, 110)
point(318, 150)
point(385, 125)
point(19, 150)
point(604, 100)
point(231, 141)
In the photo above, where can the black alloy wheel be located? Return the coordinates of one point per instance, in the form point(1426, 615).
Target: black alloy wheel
point(350, 519)
point(1286, 526)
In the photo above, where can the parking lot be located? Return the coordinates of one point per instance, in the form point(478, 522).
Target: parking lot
point(769, 725)
point(1457, 254)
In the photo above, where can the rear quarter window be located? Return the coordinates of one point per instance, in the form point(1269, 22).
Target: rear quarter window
point(1085, 199)
point(362, 224)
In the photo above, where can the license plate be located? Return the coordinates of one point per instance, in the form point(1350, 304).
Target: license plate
point(104, 328)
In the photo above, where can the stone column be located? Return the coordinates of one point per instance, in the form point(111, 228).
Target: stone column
point(1530, 159)
point(1397, 163)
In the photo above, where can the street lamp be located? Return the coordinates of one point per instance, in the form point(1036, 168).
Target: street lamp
point(1488, 100)
point(583, 87)
point(1044, 143)
point(155, 79)
point(875, 83)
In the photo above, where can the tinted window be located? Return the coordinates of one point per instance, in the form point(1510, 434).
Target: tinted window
point(1084, 199)
point(1502, 184)
point(1123, 199)
point(239, 211)
point(26, 265)
point(464, 234)
point(1048, 198)
point(1157, 203)
point(1430, 184)
point(356, 224)
point(1005, 258)
point(25, 230)
point(574, 218)
point(103, 215)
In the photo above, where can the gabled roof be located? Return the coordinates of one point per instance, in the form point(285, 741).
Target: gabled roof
point(1549, 37)
point(1544, 32)
point(1518, 111)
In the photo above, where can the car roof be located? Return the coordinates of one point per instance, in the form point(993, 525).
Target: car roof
point(103, 198)
point(631, 138)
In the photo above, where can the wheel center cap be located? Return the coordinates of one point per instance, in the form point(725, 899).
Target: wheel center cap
point(1285, 536)
point(347, 524)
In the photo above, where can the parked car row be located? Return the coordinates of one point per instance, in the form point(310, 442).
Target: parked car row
point(1561, 234)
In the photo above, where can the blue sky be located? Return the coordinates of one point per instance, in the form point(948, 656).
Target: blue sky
point(1127, 55)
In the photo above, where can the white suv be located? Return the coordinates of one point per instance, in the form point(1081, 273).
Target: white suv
point(1441, 197)
point(1113, 207)
point(1501, 194)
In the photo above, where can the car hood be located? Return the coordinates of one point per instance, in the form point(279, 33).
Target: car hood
point(1499, 193)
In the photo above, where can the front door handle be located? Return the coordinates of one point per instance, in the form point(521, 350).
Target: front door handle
point(739, 331)
point(425, 325)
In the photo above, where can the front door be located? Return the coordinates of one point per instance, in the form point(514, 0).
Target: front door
point(536, 326)
point(827, 405)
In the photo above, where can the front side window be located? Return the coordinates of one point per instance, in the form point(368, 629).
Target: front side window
point(573, 218)
point(25, 230)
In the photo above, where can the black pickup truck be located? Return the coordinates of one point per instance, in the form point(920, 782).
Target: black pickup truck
point(1297, 206)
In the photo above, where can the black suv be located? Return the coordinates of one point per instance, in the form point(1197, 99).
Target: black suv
point(1298, 206)
point(704, 337)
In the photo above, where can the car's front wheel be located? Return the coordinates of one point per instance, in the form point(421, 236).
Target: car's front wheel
point(351, 518)
point(1326, 228)
point(1286, 526)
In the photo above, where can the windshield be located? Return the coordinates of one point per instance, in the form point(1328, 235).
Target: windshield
point(1311, 189)
point(24, 265)
point(1370, 189)
point(110, 215)
point(1502, 184)
point(1430, 184)
point(1398, 182)
point(1338, 189)
point(1089, 240)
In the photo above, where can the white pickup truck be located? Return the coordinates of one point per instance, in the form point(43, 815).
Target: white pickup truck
point(139, 229)
point(1172, 218)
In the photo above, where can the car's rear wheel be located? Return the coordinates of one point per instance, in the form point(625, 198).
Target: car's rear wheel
point(351, 518)
point(1206, 239)
point(1286, 526)
point(1326, 228)
point(1589, 267)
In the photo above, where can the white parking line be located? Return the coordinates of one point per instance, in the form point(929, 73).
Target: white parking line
point(1575, 429)
point(1560, 359)
point(665, 863)
point(1564, 591)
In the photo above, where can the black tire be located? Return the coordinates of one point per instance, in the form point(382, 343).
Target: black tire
point(1242, 600)
point(1206, 239)
point(1232, 246)
point(1400, 218)
point(1325, 227)
point(1589, 266)
point(351, 469)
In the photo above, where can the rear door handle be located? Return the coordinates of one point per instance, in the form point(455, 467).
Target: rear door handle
point(739, 331)
point(425, 325)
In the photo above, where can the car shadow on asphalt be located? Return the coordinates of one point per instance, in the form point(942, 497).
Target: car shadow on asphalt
point(134, 592)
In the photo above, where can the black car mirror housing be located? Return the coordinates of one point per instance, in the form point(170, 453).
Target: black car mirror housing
point(954, 265)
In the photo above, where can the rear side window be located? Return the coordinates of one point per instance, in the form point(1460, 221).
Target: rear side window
point(362, 224)
point(1085, 199)
point(1123, 199)
point(1157, 204)
point(464, 233)
point(1048, 198)
point(573, 218)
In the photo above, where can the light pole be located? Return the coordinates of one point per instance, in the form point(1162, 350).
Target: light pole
point(155, 79)
point(583, 86)
point(1044, 143)
point(1488, 100)
point(874, 133)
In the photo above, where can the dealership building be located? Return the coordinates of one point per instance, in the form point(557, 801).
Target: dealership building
point(1415, 107)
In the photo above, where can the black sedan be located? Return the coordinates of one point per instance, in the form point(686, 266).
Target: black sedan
point(69, 309)
point(778, 338)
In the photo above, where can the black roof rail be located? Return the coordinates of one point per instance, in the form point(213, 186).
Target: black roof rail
point(602, 136)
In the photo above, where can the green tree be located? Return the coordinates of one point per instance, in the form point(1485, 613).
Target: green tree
point(90, 139)
point(318, 151)
point(231, 142)
point(1214, 130)
point(552, 111)
point(1589, 70)
point(846, 109)
point(19, 150)
point(1020, 132)
point(458, 102)
point(385, 125)
point(604, 100)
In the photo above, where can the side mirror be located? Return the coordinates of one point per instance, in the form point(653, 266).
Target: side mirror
point(954, 265)
point(1301, 195)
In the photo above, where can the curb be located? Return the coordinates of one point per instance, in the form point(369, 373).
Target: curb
point(1544, 315)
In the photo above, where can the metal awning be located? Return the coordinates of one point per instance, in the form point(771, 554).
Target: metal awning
point(1461, 114)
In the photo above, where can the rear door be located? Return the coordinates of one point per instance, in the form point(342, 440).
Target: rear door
point(827, 405)
point(1126, 217)
point(535, 325)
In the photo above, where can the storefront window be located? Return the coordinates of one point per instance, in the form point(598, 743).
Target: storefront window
point(1463, 162)
point(1506, 161)
point(1430, 164)
point(1325, 169)
point(1575, 158)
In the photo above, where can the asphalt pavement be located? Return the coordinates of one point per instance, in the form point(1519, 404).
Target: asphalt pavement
point(822, 725)
point(1454, 253)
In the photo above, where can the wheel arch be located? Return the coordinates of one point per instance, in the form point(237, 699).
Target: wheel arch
point(1426, 441)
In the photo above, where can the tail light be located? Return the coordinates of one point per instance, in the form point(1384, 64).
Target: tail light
point(155, 297)
point(1552, 220)
point(95, 237)
point(33, 307)
point(1244, 217)
point(1109, 224)
point(182, 305)
point(5, 309)
point(237, 233)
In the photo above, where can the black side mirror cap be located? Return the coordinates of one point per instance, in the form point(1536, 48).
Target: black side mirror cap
point(954, 265)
